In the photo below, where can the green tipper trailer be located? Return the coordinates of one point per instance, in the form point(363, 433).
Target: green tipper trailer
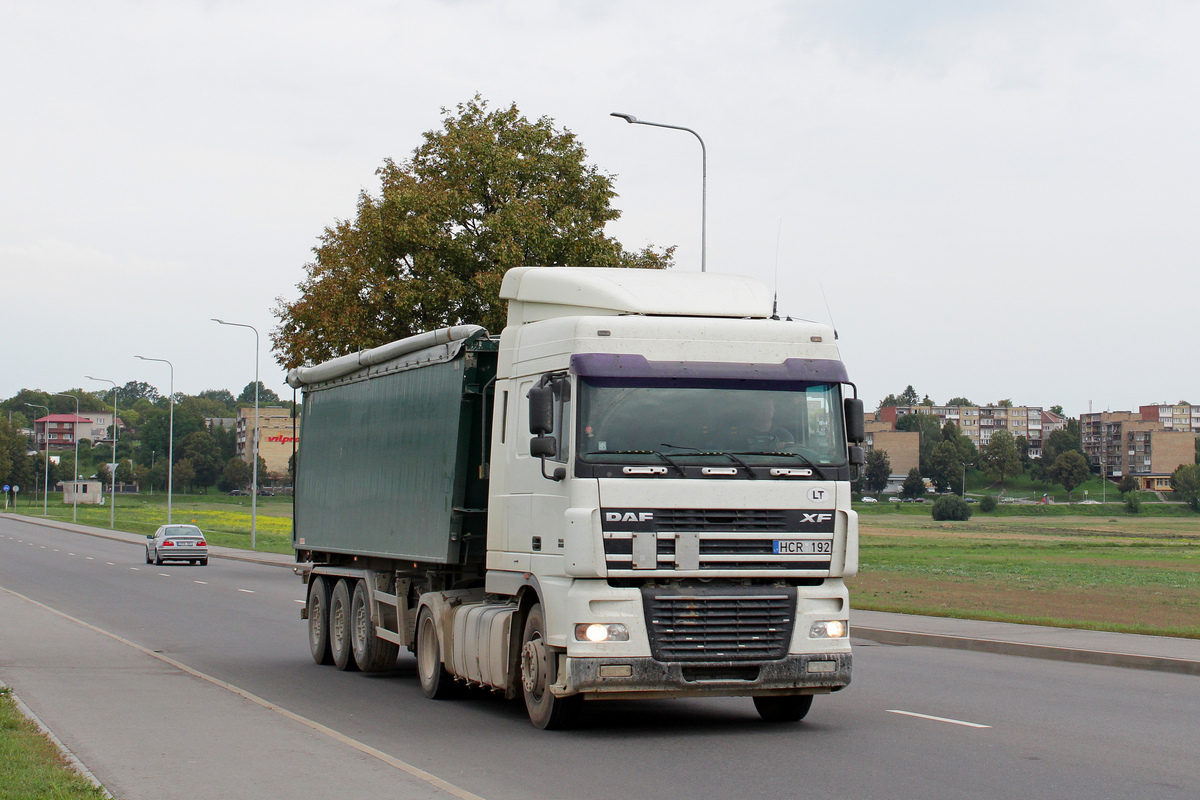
point(394, 457)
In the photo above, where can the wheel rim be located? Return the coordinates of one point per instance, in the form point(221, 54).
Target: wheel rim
point(533, 672)
point(360, 628)
point(337, 625)
point(316, 620)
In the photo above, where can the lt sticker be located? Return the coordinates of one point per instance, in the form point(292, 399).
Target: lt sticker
point(817, 495)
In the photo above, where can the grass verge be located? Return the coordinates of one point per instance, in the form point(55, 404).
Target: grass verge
point(32, 767)
point(1131, 575)
point(225, 520)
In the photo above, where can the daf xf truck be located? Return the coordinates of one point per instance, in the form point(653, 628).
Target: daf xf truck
point(640, 489)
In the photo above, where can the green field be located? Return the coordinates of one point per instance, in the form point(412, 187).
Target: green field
point(225, 520)
point(1102, 571)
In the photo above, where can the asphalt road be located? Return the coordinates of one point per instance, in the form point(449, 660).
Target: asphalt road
point(916, 723)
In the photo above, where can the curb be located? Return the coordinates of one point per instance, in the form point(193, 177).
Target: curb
point(73, 762)
point(1097, 657)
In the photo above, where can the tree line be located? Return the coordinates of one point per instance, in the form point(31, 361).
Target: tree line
point(204, 456)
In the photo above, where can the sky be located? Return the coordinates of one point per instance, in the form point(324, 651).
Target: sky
point(989, 199)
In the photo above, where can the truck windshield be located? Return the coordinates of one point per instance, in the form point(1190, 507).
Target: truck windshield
point(760, 422)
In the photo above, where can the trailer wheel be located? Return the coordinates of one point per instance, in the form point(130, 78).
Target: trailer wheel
point(318, 620)
point(371, 653)
point(436, 682)
point(788, 708)
point(537, 675)
point(339, 626)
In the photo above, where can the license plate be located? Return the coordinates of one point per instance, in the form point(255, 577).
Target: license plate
point(804, 547)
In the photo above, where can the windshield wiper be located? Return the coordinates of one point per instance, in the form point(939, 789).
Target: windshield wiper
point(700, 452)
point(663, 456)
point(803, 458)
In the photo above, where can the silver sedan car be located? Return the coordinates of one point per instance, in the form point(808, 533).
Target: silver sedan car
point(177, 543)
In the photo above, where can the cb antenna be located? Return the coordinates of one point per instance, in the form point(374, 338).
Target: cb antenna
point(775, 301)
point(827, 309)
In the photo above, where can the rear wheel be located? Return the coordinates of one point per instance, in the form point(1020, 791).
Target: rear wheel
point(339, 626)
point(318, 620)
point(204, 562)
point(148, 559)
point(371, 653)
point(436, 682)
point(538, 674)
point(789, 708)
point(158, 558)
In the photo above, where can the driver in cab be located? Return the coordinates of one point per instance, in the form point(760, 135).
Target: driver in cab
point(757, 432)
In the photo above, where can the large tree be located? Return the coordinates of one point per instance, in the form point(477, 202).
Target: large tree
point(1057, 443)
point(1070, 469)
point(946, 467)
point(999, 457)
point(876, 471)
point(489, 191)
point(1185, 480)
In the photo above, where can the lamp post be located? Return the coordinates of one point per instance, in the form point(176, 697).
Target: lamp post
point(45, 456)
point(170, 433)
point(75, 467)
point(112, 495)
point(631, 119)
point(254, 449)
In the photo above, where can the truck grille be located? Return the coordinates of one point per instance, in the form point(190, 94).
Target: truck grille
point(719, 624)
point(738, 519)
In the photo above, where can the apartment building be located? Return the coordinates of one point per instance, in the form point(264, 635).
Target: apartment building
point(1119, 443)
point(979, 423)
point(275, 440)
point(1180, 417)
point(903, 448)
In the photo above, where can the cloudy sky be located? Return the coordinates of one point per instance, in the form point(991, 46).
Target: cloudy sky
point(990, 199)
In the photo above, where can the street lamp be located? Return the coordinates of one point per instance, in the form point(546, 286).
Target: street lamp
point(75, 468)
point(112, 495)
point(46, 442)
point(170, 433)
point(254, 449)
point(632, 120)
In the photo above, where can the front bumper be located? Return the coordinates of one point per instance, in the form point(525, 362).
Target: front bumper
point(615, 678)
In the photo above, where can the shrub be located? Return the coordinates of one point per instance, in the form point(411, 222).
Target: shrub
point(951, 508)
point(1133, 503)
point(988, 503)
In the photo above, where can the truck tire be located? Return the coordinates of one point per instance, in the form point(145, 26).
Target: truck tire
point(318, 620)
point(788, 708)
point(339, 626)
point(371, 653)
point(436, 682)
point(537, 675)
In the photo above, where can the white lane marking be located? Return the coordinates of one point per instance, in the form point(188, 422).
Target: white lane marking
point(299, 601)
point(247, 591)
point(43, 547)
point(938, 719)
point(202, 583)
point(70, 554)
point(366, 749)
point(89, 558)
point(136, 569)
point(111, 564)
point(165, 574)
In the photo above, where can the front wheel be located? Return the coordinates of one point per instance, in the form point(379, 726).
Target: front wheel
point(788, 708)
point(148, 559)
point(538, 674)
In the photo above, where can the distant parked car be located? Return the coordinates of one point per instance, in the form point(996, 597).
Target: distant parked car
point(177, 543)
point(239, 492)
point(869, 500)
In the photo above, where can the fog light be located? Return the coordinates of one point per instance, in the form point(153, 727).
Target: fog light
point(828, 629)
point(601, 632)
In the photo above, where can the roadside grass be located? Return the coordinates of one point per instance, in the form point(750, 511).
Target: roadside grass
point(225, 520)
point(32, 767)
point(1127, 574)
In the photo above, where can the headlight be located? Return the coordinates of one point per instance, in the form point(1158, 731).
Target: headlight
point(601, 632)
point(828, 629)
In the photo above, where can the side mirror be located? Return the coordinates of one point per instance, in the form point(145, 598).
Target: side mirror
point(149, 535)
point(541, 410)
point(856, 429)
point(543, 447)
point(857, 457)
